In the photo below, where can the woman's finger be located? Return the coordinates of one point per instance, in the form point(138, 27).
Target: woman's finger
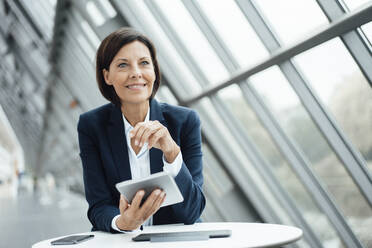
point(123, 204)
point(154, 138)
point(136, 202)
point(156, 205)
point(149, 131)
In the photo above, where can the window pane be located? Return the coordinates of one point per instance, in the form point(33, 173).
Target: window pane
point(342, 87)
point(354, 4)
point(292, 20)
point(235, 31)
point(367, 29)
point(209, 115)
point(193, 40)
point(331, 172)
point(234, 100)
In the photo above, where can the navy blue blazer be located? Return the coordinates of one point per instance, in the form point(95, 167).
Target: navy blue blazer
point(104, 155)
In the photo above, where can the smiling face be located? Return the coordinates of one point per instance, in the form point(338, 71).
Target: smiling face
point(131, 73)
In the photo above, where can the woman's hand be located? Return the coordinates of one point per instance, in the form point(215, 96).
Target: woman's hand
point(133, 215)
point(156, 135)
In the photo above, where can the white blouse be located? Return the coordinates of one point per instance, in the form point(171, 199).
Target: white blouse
point(140, 164)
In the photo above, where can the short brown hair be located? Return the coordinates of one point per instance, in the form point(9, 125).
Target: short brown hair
point(106, 52)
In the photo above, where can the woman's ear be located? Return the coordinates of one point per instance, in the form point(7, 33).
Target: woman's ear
point(106, 75)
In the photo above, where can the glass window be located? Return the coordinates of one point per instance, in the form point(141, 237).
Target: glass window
point(194, 40)
point(292, 20)
point(208, 114)
point(354, 4)
point(235, 31)
point(233, 98)
point(342, 87)
point(298, 125)
point(367, 29)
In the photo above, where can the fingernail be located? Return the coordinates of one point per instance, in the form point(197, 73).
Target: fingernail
point(162, 194)
point(157, 192)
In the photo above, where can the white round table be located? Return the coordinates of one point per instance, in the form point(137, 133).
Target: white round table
point(243, 235)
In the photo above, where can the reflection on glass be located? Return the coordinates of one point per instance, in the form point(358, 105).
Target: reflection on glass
point(297, 123)
point(354, 4)
point(342, 87)
point(234, 100)
point(292, 20)
point(235, 31)
point(194, 40)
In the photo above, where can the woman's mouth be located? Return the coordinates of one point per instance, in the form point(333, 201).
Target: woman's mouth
point(136, 86)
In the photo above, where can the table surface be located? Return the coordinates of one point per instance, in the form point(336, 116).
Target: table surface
point(243, 235)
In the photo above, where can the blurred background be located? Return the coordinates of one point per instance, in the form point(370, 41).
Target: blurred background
point(283, 89)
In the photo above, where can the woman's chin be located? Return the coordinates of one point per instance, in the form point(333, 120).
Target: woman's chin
point(135, 99)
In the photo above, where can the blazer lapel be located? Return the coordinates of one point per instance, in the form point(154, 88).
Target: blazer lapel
point(156, 155)
point(119, 149)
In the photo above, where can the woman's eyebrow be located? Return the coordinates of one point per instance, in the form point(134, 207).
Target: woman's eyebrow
point(124, 59)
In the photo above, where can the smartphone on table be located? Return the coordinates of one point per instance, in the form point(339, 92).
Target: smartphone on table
point(74, 239)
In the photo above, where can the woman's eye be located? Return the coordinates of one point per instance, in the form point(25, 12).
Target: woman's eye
point(122, 65)
point(145, 62)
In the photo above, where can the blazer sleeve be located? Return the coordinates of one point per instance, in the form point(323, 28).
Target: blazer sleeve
point(102, 207)
point(190, 176)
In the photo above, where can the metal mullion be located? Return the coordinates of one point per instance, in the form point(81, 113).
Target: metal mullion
point(270, 179)
point(296, 159)
point(353, 40)
point(328, 127)
point(315, 110)
point(345, 24)
point(227, 58)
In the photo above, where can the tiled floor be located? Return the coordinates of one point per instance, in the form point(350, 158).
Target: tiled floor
point(30, 218)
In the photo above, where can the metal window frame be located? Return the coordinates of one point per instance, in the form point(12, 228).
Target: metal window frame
point(349, 156)
point(258, 160)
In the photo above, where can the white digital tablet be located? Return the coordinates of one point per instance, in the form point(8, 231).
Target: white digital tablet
point(160, 180)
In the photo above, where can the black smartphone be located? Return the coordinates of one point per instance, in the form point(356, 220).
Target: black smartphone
point(70, 240)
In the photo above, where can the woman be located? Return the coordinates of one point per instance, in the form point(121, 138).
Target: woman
point(134, 136)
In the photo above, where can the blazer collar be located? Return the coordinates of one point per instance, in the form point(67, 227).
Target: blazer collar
point(119, 148)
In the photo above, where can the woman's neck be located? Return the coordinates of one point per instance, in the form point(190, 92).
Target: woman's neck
point(135, 113)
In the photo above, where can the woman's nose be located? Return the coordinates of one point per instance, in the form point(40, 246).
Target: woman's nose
point(136, 72)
